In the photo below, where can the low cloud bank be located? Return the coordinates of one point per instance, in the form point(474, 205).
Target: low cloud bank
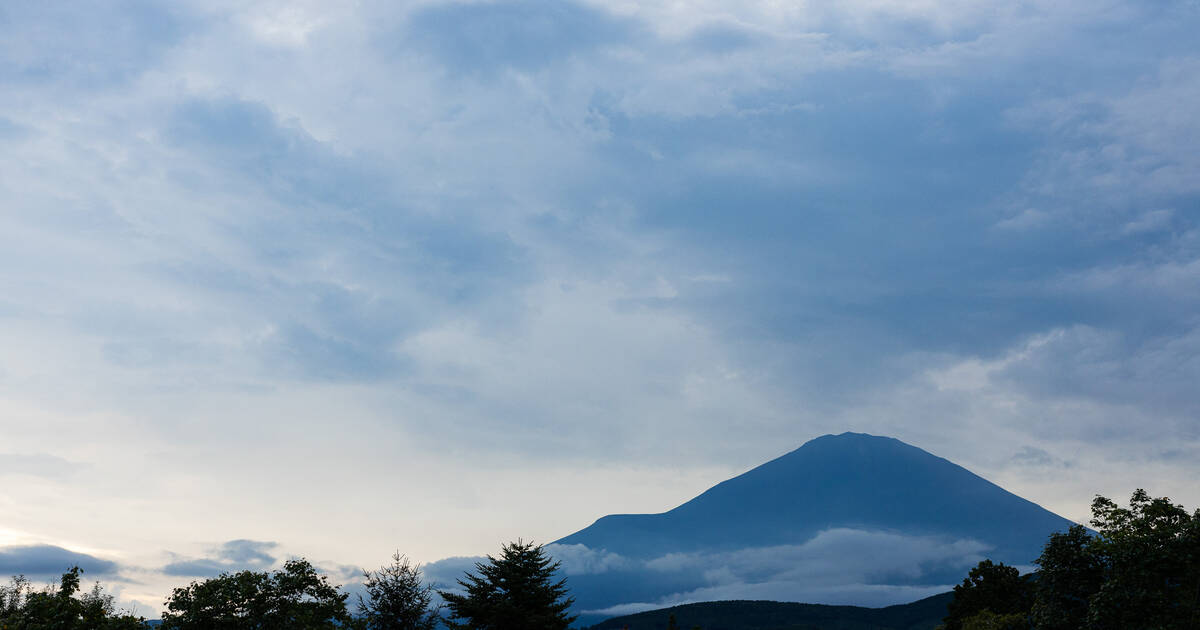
point(235, 555)
point(837, 566)
point(50, 561)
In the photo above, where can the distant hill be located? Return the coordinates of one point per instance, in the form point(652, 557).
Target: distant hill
point(925, 614)
point(844, 519)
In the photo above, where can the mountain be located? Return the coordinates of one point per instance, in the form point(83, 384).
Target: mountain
point(844, 519)
point(852, 480)
point(925, 614)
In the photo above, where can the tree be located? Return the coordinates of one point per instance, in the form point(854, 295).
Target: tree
point(58, 608)
point(1140, 570)
point(516, 591)
point(1070, 573)
point(396, 599)
point(12, 600)
point(993, 587)
point(294, 598)
point(1150, 553)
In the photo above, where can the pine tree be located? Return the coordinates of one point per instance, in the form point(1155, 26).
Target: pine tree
point(396, 599)
point(516, 591)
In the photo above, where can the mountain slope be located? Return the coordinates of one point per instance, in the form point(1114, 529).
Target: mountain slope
point(924, 614)
point(850, 480)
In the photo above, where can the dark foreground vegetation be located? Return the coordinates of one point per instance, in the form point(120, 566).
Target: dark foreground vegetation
point(517, 589)
point(61, 606)
point(1139, 570)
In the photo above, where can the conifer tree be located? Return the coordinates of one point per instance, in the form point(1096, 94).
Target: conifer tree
point(516, 591)
point(397, 599)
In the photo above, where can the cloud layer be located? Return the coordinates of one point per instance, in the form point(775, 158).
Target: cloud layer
point(232, 556)
point(837, 566)
point(49, 562)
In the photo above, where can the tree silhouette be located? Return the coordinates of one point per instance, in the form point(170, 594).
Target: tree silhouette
point(1151, 557)
point(62, 608)
point(516, 591)
point(396, 598)
point(294, 598)
point(1070, 572)
point(993, 587)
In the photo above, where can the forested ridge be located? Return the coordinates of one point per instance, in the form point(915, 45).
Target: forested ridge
point(923, 614)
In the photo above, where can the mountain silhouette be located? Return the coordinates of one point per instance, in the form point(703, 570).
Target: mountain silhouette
point(848, 519)
point(851, 480)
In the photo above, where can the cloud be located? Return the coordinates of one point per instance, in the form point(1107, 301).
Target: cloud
point(50, 561)
point(37, 465)
point(581, 560)
point(235, 555)
point(476, 37)
point(85, 59)
point(445, 573)
point(1034, 457)
point(312, 250)
point(837, 566)
point(1103, 364)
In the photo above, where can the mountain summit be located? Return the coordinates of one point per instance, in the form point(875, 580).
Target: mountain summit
point(851, 480)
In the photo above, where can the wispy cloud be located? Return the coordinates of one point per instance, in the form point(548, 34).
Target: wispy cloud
point(38, 465)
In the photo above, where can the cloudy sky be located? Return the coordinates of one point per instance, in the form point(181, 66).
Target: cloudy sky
point(336, 279)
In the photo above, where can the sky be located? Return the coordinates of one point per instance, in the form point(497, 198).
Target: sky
point(338, 279)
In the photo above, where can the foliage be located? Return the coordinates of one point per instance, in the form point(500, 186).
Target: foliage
point(988, 620)
point(294, 598)
point(396, 599)
point(516, 591)
point(1140, 570)
point(1070, 572)
point(997, 588)
point(62, 607)
point(1150, 552)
